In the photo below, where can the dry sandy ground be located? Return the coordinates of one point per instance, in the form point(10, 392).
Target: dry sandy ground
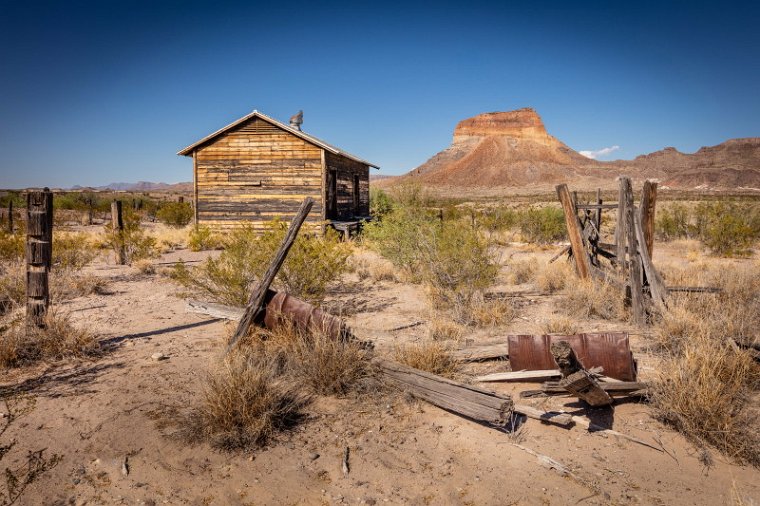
point(97, 414)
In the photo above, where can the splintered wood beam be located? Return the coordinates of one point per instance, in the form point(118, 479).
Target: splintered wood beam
point(620, 247)
point(465, 400)
point(518, 376)
point(575, 379)
point(634, 257)
point(582, 264)
point(254, 311)
point(657, 288)
point(648, 202)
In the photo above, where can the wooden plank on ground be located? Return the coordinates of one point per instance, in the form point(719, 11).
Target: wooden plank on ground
point(519, 376)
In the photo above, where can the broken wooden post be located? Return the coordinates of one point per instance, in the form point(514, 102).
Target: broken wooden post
point(255, 308)
point(620, 227)
point(634, 259)
point(117, 224)
point(575, 379)
point(657, 288)
point(582, 265)
point(10, 217)
point(598, 217)
point(646, 213)
point(39, 254)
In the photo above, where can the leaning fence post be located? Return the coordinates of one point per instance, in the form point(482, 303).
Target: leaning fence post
point(39, 254)
point(117, 223)
point(256, 302)
point(648, 202)
point(620, 227)
point(634, 261)
point(574, 232)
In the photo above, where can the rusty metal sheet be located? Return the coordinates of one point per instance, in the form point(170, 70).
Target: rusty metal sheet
point(610, 351)
point(281, 307)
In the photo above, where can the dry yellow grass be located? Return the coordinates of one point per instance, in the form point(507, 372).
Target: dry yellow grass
point(522, 271)
point(22, 345)
point(430, 356)
point(145, 266)
point(492, 313)
point(592, 299)
point(444, 329)
point(560, 324)
point(553, 277)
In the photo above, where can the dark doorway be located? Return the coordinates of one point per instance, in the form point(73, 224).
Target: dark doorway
point(332, 194)
point(357, 205)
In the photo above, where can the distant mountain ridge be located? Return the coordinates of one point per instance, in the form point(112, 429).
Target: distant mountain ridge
point(513, 149)
point(140, 186)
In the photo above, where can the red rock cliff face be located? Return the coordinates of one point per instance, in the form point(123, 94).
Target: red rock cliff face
point(520, 124)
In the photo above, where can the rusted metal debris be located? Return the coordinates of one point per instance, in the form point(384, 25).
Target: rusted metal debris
point(282, 308)
point(610, 351)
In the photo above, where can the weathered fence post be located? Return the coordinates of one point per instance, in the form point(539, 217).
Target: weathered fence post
point(10, 216)
point(598, 217)
point(117, 223)
point(620, 227)
point(39, 254)
point(181, 199)
point(582, 265)
point(634, 261)
point(648, 202)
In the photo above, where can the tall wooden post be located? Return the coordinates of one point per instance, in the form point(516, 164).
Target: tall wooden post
point(598, 217)
point(10, 216)
point(648, 202)
point(39, 254)
point(580, 254)
point(634, 261)
point(117, 223)
point(620, 228)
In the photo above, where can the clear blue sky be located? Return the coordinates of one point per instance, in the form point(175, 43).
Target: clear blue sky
point(96, 92)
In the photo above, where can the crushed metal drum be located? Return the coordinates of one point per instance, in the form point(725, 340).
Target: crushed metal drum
point(610, 351)
point(281, 307)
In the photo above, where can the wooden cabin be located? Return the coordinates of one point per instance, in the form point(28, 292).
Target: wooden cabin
point(257, 169)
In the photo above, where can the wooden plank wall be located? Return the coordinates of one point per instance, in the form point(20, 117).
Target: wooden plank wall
point(346, 169)
point(256, 173)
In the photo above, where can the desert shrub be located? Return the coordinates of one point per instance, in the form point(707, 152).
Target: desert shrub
point(311, 265)
point(453, 260)
point(59, 339)
point(245, 402)
point(145, 266)
point(498, 219)
point(544, 225)
point(13, 282)
point(315, 359)
point(410, 195)
point(202, 238)
point(12, 245)
point(592, 299)
point(490, 312)
point(175, 214)
point(728, 234)
point(523, 271)
point(430, 356)
point(553, 277)
point(68, 284)
point(704, 392)
point(672, 222)
point(72, 250)
point(380, 203)
point(136, 244)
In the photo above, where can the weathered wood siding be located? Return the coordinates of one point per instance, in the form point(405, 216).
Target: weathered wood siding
point(346, 170)
point(255, 173)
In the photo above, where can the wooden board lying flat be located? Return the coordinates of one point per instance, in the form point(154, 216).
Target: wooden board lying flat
point(519, 376)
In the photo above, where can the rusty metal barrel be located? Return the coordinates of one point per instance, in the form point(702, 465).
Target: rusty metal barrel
point(610, 351)
point(281, 308)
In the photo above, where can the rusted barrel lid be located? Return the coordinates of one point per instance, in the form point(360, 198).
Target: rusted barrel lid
point(610, 351)
point(303, 315)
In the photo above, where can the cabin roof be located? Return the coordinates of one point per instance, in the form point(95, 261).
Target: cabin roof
point(256, 114)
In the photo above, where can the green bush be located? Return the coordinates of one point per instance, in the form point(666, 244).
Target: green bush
point(12, 245)
point(72, 250)
point(312, 264)
point(136, 244)
point(201, 238)
point(380, 203)
point(397, 237)
point(175, 214)
point(544, 225)
point(728, 234)
point(498, 219)
point(672, 222)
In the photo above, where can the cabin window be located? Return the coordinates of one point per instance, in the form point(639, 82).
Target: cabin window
point(356, 194)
